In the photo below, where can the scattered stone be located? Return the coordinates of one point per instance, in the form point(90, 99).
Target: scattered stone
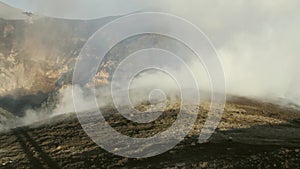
point(58, 148)
point(180, 164)
point(203, 164)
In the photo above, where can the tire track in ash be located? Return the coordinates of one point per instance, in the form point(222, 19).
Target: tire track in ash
point(27, 143)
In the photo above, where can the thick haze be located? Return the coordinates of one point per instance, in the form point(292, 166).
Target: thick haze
point(257, 41)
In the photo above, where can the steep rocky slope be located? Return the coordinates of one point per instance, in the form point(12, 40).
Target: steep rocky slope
point(37, 58)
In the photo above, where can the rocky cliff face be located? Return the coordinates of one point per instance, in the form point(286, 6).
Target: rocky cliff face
point(36, 58)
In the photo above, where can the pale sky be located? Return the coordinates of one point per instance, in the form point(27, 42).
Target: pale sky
point(79, 9)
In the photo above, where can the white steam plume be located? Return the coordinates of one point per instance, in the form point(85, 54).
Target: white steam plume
point(257, 42)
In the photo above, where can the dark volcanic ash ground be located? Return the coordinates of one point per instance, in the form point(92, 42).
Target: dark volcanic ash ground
point(251, 134)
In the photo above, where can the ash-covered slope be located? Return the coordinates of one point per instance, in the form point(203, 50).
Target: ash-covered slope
point(252, 134)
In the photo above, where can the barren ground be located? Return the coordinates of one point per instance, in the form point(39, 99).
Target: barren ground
point(251, 135)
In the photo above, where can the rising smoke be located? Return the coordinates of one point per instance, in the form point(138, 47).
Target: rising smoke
point(257, 42)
